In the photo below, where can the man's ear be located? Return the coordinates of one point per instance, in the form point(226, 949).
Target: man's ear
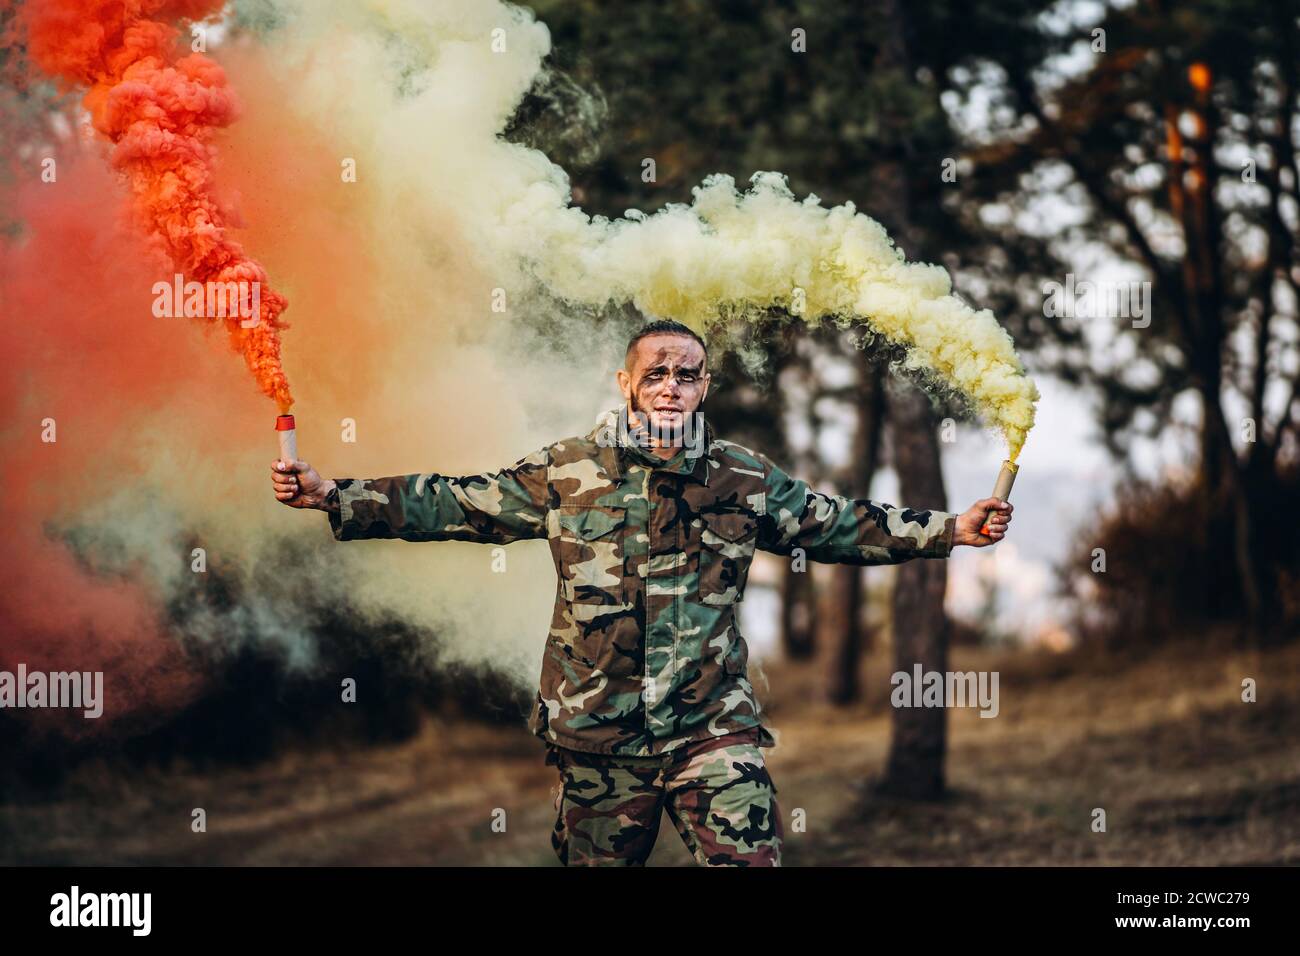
point(624, 383)
point(707, 379)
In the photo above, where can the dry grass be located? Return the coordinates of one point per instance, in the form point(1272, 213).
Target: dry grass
point(1187, 774)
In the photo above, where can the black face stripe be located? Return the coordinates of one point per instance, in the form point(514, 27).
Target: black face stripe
point(664, 356)
point(681, 369)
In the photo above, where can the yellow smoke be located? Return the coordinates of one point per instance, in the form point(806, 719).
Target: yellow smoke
point(763, 248)
point(465, 65)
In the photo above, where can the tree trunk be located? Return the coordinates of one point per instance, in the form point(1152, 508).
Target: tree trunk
point(843, 636)
point(1221, 472)
point(796, 613)
point(916, 754)
point(920, 627)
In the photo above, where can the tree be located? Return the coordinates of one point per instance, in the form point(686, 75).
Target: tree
point(1177, 145)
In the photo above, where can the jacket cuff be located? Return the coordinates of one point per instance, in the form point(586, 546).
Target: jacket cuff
point(941, 544)
point(342, 522)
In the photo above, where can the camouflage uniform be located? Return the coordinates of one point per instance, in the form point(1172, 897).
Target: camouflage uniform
point(717, 792)
point(644, 654)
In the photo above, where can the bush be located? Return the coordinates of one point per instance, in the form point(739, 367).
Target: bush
point(1169, 563)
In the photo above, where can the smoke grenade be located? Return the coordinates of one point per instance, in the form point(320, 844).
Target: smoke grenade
point(1002, 488)
point(284, 428)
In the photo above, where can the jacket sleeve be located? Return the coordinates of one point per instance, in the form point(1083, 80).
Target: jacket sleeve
point(492, 508)
point(838, 530)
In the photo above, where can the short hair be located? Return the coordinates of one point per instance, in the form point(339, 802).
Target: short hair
point(665, 327)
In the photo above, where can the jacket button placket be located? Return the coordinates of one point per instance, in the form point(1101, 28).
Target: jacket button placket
point(660, 647)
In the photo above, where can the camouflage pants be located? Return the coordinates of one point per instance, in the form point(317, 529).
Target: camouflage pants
point(717, 793)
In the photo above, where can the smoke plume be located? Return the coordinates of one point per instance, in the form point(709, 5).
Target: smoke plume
point(442, 286)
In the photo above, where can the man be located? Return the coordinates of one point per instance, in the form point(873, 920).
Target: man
point(652, 521)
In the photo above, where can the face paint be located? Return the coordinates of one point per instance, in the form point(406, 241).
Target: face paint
point(668, 383)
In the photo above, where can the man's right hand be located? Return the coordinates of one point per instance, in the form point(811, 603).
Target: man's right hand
point(298, 485)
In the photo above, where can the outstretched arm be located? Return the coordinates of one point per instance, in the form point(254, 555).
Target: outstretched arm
point(492, 507)
point(835, 529)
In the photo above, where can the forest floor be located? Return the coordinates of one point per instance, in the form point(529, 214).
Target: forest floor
point(1186, 772)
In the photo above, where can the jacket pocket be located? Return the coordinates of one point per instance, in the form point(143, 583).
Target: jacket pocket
point(589, 556)
point(727, 544)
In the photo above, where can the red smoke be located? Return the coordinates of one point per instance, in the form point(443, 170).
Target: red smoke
point(160, 112)
point(83, 353)
point(81, 346)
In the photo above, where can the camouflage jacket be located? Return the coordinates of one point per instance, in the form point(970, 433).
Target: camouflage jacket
point(644, 651)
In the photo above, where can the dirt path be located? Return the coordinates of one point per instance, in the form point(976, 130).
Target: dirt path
point(1186, 773)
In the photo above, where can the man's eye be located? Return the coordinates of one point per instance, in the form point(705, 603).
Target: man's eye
point(686, 378)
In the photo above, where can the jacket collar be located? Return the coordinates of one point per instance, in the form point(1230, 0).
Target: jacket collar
point(615, 451)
